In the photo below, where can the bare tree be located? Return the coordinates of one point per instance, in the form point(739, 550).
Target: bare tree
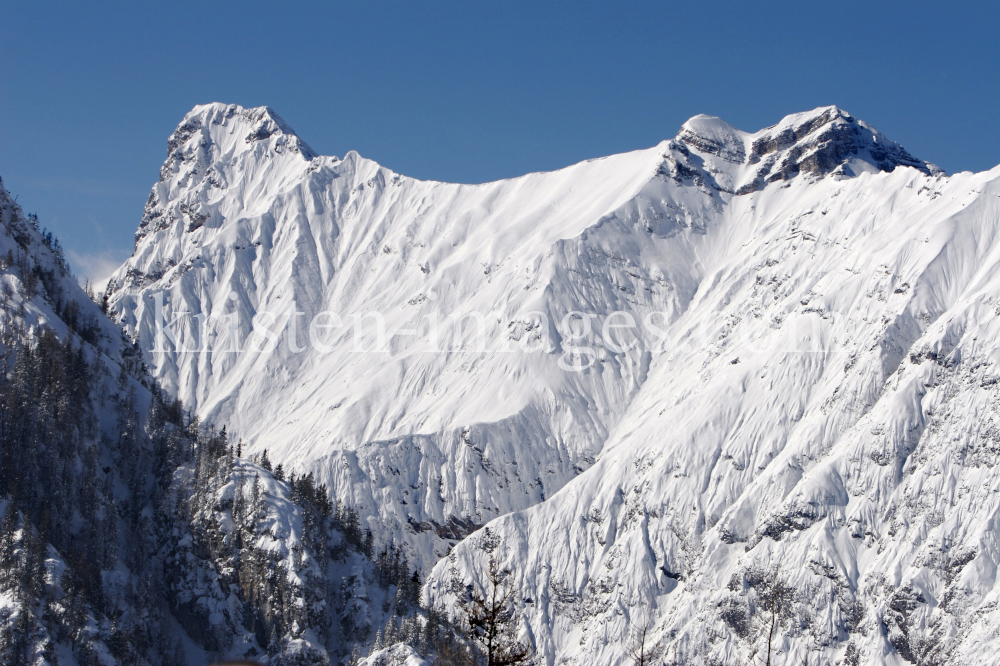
point(775, 596)
point(488, 612)
point(641, 649)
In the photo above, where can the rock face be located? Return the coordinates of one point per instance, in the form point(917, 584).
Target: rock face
point(828, 142)
point(802, 373)
point(713, 136)
point(191, 153)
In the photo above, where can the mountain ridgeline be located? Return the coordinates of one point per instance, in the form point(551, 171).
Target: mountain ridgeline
point(249, 236)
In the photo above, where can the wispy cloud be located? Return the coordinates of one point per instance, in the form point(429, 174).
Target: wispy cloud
point(96, 266)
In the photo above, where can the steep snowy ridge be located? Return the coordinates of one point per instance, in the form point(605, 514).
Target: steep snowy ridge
point(65, 369)
point(814, 311)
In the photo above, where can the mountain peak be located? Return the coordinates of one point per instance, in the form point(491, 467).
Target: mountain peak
point(821, 142)
point(824, 141)
point(713, 135)
point(216, 121)
point(212, 146)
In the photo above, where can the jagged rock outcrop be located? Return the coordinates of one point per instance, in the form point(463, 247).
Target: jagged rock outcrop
point(830, 142)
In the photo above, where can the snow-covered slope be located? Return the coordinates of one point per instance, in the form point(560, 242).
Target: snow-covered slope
point(810, 382)
point(248, 227)
point(825, 411)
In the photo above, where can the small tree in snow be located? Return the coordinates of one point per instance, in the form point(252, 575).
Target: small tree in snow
point(488, 613)
point(775, 598)
point(641, 648)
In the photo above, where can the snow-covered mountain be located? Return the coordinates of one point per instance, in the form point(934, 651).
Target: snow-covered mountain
point(799, 382)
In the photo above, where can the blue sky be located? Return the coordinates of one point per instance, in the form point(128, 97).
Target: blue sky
point(463, 91)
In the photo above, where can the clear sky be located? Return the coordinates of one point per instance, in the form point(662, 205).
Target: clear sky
point(463, 91)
